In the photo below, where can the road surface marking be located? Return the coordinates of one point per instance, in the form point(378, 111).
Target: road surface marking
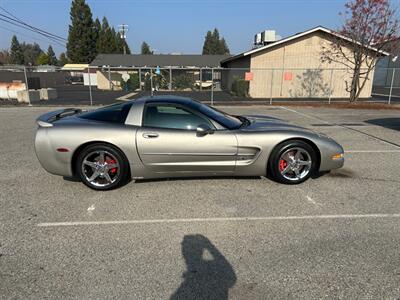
point(312, 201)
point(307, 116)
point(226, 219)
point(126, 97)
point(343, 126)
point(90, 210)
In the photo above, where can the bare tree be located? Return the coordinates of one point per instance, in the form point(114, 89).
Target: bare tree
point(368, 28)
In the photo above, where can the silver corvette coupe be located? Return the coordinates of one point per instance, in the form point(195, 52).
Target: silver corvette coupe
point(168, 136)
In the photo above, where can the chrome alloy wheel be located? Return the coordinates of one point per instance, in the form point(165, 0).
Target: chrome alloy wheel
point(295, 164)
point(100, 168)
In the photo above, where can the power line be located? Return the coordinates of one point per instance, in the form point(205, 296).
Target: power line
point(20, 26)
point(14, 18)
point(24, 27)
point(31, 28)
point(27, 35)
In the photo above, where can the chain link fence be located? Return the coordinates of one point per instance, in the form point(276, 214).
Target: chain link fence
point(105, 85)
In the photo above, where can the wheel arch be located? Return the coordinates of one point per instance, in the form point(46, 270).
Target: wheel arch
point(302, 139)
point(84, 145)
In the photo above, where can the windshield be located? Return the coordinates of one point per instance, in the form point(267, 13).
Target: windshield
point(221, 117)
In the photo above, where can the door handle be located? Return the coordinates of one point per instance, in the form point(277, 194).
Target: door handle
point(150, 135)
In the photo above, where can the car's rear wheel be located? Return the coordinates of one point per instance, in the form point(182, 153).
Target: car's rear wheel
point(292, 162)
point(102, 167)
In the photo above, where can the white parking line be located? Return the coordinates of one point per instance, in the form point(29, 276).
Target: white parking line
point(343, 126)
point(214, 220)
point(306, 115)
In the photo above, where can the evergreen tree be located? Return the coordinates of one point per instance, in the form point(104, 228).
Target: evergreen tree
point(62, 59)
point(31, 53)
point(127, 49)
point(120, 43)
point(223, 47)
point(113, 45)
point(106, 43)
point(145, 49)
point(96, 30)
point(207, 49)
point(52, 56)
point(16, 55)
point(43, 59)
point(81, 45)
point(213, 44)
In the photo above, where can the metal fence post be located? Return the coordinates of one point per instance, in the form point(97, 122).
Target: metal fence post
point(201, 79)
point(170, 78)
point(272, 84)
point(151, 82)
point(140, 79)
point(391, 85)
point(90, 88)
point(212, 86)
point(109, 77)
point(27, 87)
point(330, 87)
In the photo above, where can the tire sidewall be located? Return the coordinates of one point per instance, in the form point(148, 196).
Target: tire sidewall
point(280, 149)
point(123, 164)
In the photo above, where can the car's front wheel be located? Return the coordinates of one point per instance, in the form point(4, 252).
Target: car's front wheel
point(102, 167)
point(292, 162)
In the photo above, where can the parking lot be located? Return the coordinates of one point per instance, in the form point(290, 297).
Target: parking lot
point(336, 236)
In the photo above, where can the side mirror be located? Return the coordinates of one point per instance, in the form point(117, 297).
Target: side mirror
point(203, 130)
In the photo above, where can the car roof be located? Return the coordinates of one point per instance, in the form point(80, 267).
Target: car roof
point(164, 98)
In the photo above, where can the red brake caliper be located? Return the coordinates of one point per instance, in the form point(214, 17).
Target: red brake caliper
point(111, 161)
point(282, 164)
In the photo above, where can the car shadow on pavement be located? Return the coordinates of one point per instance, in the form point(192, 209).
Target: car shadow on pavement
point(209, 275)
point(390, 123)
point(198, 178)
point(71, 179)
point(76, 179)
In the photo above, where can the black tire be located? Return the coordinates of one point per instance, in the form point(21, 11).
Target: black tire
point(111, 157)
point(275, 169)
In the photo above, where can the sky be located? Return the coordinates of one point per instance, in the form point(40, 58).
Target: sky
point(176, 26)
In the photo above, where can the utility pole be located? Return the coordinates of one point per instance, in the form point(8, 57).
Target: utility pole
point(123, 28)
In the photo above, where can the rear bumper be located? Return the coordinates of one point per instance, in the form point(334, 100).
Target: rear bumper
point(57, 163)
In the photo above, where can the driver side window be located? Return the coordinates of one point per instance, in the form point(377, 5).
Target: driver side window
point(172, 117)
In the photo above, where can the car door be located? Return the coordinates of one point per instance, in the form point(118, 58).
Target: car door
point(168, 142)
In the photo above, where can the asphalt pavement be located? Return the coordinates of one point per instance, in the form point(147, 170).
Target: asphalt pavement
point(336, 236)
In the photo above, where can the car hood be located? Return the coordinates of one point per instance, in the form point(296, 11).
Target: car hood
point(266, 123)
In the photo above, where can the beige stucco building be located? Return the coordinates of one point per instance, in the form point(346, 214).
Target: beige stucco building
point(292, 68)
